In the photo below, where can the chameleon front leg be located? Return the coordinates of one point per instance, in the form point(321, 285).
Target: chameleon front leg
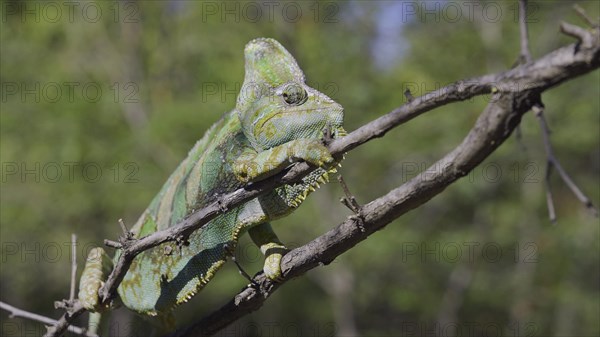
point(263, 236)
point(96, 269)
point(254, 166)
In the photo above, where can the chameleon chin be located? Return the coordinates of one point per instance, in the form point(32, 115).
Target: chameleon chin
point(268, 129)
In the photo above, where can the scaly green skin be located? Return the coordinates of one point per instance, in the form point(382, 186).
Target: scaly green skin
point(278, 120)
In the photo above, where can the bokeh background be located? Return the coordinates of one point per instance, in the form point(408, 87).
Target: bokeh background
point(101, 100)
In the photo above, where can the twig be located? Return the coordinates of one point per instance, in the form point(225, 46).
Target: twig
point(68, 303)
point(16, 312)
point(585, 37)
point(582, 14)
point(123, 227)
point(73, 267)
point(113, 244)
point(525, 56)
point(549, 197)
point(242, 271)
point(349, 200)
point(538, 110)
point(519, 138)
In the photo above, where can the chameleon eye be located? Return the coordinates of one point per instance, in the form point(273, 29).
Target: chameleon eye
point(294, 94)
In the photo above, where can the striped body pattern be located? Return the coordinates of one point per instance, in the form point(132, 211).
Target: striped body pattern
point(277, 120)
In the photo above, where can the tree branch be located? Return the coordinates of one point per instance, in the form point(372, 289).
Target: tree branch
point(515, 91)
point(494, 126)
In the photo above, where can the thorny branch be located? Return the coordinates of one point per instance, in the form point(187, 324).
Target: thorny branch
point(515, 92)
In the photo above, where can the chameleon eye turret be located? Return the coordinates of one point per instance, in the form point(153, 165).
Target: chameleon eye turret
point(294, 94)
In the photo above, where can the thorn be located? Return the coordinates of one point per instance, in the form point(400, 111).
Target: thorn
point(408, 95)
point(113, 244)
point(123, 227)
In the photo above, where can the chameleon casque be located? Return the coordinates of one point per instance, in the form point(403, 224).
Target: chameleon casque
point(277, 120)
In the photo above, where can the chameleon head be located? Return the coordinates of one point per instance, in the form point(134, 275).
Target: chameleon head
point(275, 105)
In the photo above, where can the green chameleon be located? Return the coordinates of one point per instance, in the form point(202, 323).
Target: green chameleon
point(278, 120)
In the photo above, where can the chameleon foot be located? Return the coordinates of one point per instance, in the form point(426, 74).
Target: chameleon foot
point(272, 267)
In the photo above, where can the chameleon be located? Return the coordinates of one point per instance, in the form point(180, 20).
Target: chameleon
point(278, 120)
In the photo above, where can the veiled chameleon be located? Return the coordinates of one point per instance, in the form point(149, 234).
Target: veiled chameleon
point(277, 120)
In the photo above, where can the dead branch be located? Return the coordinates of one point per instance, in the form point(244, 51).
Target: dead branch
point(516, 91)
point(492, 128)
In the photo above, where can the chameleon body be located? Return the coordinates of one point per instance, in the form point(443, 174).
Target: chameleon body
point(277, 120)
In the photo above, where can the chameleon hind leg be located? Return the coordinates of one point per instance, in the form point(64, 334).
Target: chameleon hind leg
point(263, 236)
point(96, 269)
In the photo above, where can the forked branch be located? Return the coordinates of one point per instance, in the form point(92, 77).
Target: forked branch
point(516, 91)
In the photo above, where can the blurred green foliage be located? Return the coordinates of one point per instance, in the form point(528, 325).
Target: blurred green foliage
point(101, 100)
